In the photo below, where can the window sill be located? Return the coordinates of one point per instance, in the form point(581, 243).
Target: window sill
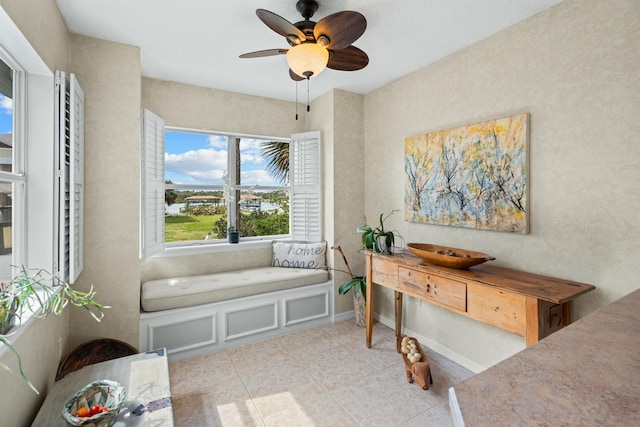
point(18, 330)
point(208, 248)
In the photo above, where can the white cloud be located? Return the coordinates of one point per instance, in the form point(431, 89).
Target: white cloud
point(204, 166)
point(252, 151)
point(258, 177)
point(250, 144)
point(249, 158)
point(6, 104)
point(218, 141)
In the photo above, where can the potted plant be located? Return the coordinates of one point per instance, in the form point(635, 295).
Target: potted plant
point(40, 293)
point(359, 286)
point(378, 239)
point(234, 236)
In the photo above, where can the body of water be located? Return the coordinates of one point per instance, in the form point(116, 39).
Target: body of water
point(175, 208)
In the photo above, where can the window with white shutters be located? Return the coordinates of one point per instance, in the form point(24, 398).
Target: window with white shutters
point(226, 192)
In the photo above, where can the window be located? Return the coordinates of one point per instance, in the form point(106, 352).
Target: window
point(12, 179)
point(216, 183)
point(197, 185)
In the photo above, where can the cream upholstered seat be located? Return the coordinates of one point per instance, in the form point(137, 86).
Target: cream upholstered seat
point(165, 294)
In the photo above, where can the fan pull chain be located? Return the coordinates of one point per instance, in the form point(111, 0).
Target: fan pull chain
point(308, 108)
point(296, 100)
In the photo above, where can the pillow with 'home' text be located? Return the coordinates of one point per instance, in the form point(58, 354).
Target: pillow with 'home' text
point(300, 254)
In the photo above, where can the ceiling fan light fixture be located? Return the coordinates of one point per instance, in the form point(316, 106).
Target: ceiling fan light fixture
point(307, 59)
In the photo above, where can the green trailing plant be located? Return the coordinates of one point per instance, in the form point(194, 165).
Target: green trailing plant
point(357, 283)
point(378, 239)
point(40, 293)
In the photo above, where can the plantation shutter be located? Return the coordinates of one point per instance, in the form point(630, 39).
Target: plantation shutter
point(76, 180)
point(152, 184)
point(69, 182)
point(61, 183)
point(304, 162)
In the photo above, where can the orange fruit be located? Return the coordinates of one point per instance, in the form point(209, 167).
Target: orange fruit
point(82, 412)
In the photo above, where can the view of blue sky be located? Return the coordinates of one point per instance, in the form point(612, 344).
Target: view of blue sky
point(192, 158)
point(6, 110)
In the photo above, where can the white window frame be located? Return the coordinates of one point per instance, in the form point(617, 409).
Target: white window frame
point(302, 190)
point(17, 177)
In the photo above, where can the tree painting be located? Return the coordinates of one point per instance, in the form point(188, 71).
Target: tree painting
point(471, 176)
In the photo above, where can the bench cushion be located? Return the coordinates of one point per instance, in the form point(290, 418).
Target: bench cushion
point(165, 294)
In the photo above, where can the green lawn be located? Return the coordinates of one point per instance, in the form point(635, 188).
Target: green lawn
point(178, 227)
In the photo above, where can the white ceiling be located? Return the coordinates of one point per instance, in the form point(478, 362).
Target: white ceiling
point(198, 41)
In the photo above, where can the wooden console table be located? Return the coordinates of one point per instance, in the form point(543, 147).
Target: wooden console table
point(525, 304)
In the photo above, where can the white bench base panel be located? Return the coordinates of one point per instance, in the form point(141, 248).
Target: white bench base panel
point(202, 329)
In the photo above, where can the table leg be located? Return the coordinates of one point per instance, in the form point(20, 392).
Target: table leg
point(566, 313)
point(398, 296)
point(532, 321)
point(369, 303)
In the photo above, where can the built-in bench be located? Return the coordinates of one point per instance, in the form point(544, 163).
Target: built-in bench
point(196, 315)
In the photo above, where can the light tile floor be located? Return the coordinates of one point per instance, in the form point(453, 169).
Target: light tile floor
point(318, 377)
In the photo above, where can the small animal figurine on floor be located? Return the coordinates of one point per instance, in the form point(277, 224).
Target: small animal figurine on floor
point(415, 362)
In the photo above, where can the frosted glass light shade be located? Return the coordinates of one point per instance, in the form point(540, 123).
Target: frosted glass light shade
point(307, 59)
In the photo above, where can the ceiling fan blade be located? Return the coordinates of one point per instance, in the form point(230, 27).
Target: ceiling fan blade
point(294, 76)
point(342, 28)
point(281, 26)
point(348, 59)
point(261, 53)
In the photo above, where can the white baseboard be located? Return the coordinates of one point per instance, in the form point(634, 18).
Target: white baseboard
point(435, 346)
point(339, 317)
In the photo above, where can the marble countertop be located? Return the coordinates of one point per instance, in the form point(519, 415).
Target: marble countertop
point(586, 374)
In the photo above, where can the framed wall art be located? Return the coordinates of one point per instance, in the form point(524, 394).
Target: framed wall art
point(471, 176)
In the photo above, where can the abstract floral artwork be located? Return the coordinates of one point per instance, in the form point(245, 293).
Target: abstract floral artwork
point(471, 176)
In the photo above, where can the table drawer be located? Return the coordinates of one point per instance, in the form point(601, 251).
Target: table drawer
point(496, 307)
point(437, 289)
point(384, 273)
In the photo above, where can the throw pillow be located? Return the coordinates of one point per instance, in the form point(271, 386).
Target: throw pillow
point(300, 254)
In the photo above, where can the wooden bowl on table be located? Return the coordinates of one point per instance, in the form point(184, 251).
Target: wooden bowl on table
point(448, 257)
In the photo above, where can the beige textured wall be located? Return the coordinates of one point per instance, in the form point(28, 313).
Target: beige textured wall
point(207, 263)
point(110, 76)
point(41, 23)
point(38, 346)
point(574, 68)
point(217, 110)
point(320, 118)
point(340, 115)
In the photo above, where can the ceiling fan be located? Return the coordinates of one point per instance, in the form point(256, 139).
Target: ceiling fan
point(315, 46)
